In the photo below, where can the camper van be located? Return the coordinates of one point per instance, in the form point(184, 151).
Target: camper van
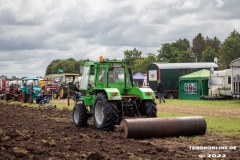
point(235, 87)
point(219, 84)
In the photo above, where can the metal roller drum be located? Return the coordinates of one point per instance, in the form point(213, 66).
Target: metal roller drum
point(162, 127)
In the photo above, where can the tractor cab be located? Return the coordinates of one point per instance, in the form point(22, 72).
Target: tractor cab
point(106, 74)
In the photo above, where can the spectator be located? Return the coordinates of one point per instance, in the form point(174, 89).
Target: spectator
point(160, 91)
point(237, 78)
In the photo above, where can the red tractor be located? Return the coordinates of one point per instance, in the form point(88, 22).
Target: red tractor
point(2, 88)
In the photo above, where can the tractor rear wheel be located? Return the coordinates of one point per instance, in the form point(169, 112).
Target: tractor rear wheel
point(23, 97)
point(105, 113)
point(80, 115)
point(150, 108)
point(62, 92)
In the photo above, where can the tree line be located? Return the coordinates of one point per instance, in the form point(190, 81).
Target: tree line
point(201, 49)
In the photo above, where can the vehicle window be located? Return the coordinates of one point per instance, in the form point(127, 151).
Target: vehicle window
point(102, 75)
point(216, 80)
point(84, 81)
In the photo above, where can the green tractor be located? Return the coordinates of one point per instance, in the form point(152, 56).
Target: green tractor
point(65, 81)
point(109, 95)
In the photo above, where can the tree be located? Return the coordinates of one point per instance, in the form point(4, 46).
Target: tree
point(230, 50)
point(49, 69)
point(186, 56)
point(167, 53)
point(214, 43)
point(178, 51)
point(234, 34)
point(140, 65)
point(132, 54)
point(208, 55)
point(198, 46)
point(69, 65)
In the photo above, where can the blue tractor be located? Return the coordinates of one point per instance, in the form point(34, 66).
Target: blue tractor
point(30, 90)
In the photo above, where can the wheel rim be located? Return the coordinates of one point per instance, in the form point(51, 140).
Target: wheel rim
point(170, 96)
point(54, 95)
point(76, 115)
point(61, 92)
point(99, 116)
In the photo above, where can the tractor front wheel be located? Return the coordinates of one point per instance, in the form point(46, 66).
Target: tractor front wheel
point(55, 95)
point(80, 116)
point(105, 113)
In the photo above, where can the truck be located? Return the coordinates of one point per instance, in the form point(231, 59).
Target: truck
point(219, 84)
point(109, 96)
point(30, 90)
point(169, 74)
point(235, 86)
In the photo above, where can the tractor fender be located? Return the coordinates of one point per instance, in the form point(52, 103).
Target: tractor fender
point(143, 93)
point(113, 94)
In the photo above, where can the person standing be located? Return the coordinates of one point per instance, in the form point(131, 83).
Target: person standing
point(160, 91)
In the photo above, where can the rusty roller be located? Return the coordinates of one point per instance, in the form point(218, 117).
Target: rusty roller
point(162, 127)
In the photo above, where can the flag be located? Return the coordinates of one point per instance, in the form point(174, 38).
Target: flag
point(60, 71)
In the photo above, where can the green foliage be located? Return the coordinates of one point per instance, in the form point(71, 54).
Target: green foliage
point(175, 52)
point(230, 50)
point(132, 54)
point(214, 43)
point(198, 46)
point(67, 65)
point(186, 56)
point(140, 65)
point(208, 55)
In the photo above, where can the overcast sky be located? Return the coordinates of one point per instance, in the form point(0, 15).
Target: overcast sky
point(36, 32)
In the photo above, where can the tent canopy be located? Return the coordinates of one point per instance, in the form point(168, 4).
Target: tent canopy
point(138, 77)
point(202, 74)
point(195, 85)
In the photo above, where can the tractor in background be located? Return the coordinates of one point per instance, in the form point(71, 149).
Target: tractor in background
point(109, 95)
point(30, 90)
point(67, 80)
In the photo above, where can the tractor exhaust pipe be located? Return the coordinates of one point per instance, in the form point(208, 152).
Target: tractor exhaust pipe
point(143, 128)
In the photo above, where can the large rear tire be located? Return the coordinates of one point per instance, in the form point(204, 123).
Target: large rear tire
point(105, 113)
point(62, 92)
point(80, 115)
point(150, 108)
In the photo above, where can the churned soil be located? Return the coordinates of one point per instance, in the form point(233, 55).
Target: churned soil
point(49, 133)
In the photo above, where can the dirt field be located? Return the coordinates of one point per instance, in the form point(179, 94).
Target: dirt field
point(49, 133)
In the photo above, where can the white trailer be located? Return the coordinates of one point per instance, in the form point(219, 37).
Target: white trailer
point(235, 87)
point(219, 84)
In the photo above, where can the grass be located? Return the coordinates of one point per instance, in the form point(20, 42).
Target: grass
point(206, 103)
point(220, 125)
